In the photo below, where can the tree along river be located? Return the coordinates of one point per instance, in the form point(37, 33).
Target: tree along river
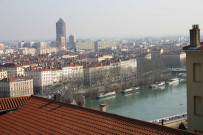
point(147, 104)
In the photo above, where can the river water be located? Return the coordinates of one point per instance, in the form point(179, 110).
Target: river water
point(147, 104)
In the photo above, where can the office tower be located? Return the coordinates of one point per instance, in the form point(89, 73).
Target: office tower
point(72, 40)
point(61, 34)
point(194, 55)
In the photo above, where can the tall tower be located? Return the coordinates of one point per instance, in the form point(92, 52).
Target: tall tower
point(61, 34)
point(195, 36)
point(72, 40)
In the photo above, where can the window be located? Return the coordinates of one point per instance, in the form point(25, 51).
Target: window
point(198, 105)
point(197, 72)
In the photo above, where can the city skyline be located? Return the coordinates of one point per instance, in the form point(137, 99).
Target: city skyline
point(32, 20)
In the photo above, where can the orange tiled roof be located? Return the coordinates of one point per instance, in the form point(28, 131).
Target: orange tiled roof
point(13, 79)
point(44, 116)
point(189, 47)
point(10, 103)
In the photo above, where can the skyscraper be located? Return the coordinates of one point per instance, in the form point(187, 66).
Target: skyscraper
point(61, 34)
point(72, 40)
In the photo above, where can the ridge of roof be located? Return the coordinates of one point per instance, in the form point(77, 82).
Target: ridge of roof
point(41, 115)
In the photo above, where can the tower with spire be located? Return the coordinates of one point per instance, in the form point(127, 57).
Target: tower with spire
point(61, 34)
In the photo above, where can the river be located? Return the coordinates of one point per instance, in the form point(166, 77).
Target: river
point(147, 104)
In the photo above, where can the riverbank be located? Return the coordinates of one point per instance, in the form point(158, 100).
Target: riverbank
point(176, 123)
point(144, 81)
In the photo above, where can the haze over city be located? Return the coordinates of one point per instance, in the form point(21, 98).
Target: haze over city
point(101, 67)
point(35, 19)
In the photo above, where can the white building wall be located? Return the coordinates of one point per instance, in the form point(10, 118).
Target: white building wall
point(16, 88)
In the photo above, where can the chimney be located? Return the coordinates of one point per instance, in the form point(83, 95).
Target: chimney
point(195, 36)
point(103, 107)
point(57, 97)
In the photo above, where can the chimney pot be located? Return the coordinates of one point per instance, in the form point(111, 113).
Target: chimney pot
point(195, 36)
point(103, 107)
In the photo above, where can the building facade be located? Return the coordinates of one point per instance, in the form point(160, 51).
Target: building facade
point(194, 55)
point(43, 78)
point(47, 50)
point(97, 75)
point(27, 51)
point(3, 74)
point(105, 45)
point(15, 87)
point(85, 45)
point(72, 40)
point(72, 72)
point(2, 46)
point(14, 70)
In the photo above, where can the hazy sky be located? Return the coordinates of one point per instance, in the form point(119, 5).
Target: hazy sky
point(36, 19)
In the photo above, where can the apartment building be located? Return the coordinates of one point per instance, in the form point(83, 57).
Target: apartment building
point(85, 45)
point(41, 77)
point(72, 72)
point(14, 70)
point(126, 64)
point(15, 87)
point(27, 51)
point(99, 58)
point(96, 75)
point(103, 45)
point(57, 75)
point(3, 74)
point(44, 77)
point(47, 50)
point(2, 46)
point(194, 55)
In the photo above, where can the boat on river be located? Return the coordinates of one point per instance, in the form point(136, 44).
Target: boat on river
point(182, 77)
point(173, 81)
point(130, 90)
point(104, 95)
point(157, 85)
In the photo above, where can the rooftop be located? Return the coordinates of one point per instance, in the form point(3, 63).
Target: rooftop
point(11, 103)
point(45, 116)
point(15, 79)
point(189, 47)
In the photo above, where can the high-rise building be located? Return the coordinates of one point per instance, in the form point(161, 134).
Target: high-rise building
point(194, 55)
point(72, 40)
point(61, 34)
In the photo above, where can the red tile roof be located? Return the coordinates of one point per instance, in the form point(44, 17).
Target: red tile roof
point(13, 79)
point(44, 116)
point(186, 47)
point(11, 103)
point(189, 47)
